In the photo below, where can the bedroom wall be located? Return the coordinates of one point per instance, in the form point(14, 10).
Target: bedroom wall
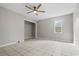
point(11, 26)
point(76, 25)
point(45, 29)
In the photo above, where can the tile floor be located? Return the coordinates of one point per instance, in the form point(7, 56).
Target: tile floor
point(40, 48)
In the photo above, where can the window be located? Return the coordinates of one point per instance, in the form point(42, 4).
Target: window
point(58, 26)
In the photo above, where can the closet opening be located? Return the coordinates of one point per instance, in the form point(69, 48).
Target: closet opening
point(29, 30)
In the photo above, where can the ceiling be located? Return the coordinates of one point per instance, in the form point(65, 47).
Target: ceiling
point(52, 9)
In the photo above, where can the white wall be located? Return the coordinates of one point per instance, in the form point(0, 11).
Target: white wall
point(76, 25)
point(45, 28)
point(11, 26)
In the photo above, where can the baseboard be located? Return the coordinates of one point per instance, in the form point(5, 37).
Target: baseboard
point(10, 43)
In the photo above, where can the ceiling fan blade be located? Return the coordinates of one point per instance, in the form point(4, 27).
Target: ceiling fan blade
point(29, 7)
point(38, 6)
point(42, 11)
point(29, 12)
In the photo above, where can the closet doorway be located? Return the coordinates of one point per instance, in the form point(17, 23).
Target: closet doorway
point(29, 30)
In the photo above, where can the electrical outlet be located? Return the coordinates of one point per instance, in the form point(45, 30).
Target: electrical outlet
point(18, 41)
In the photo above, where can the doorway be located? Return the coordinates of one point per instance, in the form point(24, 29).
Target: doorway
point(29, 30)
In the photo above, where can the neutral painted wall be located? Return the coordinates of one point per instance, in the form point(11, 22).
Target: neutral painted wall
point(11, 26)
point(76, 25)
point(45, 28)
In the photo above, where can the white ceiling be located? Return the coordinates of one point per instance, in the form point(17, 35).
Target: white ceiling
point(52, 9)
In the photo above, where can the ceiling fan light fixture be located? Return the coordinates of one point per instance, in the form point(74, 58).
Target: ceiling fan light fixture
point(35, 11)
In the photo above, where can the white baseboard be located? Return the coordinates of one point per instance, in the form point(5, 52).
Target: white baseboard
point(7, 44)
point(10, 43)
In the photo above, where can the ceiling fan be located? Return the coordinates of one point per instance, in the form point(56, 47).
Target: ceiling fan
point(35, 9)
